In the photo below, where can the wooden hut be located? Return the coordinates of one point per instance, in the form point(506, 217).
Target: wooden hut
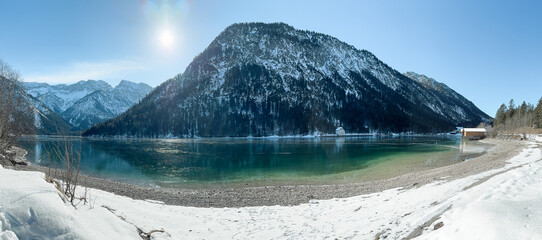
point(473, 133)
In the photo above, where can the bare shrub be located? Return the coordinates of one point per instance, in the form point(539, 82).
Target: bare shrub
point(49, 177)
point(491, 132)
point(68, 154)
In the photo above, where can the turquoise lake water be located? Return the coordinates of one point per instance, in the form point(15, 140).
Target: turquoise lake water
point(232, 162)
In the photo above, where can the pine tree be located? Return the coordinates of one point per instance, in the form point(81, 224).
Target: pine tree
point(523, 109)
point(500, 116)
point(511, 110)
point(537, 114)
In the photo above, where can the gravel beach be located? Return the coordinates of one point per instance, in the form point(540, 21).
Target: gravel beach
point(298, 194)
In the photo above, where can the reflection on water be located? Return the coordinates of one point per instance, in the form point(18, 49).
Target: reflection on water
point(471, 148)
point(38, 152)
point(177, 162)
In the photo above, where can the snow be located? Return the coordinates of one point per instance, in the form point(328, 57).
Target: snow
point(31, 208)
point(474, 130)
point(37, 118)
point(87, 101)
point(506, 206)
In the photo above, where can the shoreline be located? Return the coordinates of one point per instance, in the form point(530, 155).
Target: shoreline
point(288, 195)
point(327, 135)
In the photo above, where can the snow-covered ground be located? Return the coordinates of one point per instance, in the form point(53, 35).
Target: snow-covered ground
point(504, 203)
point(32, 208)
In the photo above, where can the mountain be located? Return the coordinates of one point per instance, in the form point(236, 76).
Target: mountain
point(258, 79)
point(30, 113)
point(60, 97)
point(449, 99)
point(46, 121)
point(86, 103)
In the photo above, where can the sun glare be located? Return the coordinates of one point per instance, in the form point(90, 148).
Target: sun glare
point(166, 38)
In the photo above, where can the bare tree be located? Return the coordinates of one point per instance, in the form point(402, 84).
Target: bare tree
point(15, 114)
point(68, 154)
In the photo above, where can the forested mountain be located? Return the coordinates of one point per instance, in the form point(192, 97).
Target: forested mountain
point(86, 103)
point(46, 121)
point(259, 79)
point(33, 115)
point(448, 99)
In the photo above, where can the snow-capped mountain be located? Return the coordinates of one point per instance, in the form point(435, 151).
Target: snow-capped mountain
point(259, 79)
point(86, 103)
point(60, 97)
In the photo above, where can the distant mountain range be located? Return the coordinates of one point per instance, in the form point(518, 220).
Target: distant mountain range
point(259, 79)
point(86, 103)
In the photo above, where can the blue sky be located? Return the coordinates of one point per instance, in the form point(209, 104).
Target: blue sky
point(489, 51)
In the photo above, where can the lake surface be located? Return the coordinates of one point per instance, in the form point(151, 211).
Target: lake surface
point(255, 162)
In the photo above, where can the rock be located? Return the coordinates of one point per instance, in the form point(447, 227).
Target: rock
point(15, 156)
point(4, 161)
point(438, 225)
point(19, 161)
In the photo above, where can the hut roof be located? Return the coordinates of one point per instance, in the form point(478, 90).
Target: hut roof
point(474, 130)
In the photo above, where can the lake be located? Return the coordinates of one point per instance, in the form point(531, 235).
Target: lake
point(195, 163)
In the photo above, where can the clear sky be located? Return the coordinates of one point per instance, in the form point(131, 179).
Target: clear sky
point(488, 51)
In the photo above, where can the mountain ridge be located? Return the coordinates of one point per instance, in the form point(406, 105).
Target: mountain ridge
point(78, 103)
point(257, 79)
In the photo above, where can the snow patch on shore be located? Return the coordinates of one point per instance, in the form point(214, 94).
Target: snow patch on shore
point(32, 208)
point(507, 206)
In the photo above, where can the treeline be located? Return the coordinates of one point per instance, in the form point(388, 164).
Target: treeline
point(521, 119)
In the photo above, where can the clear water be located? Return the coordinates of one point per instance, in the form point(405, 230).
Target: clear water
point(231, 162)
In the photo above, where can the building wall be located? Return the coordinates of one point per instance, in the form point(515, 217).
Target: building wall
point(474, 134)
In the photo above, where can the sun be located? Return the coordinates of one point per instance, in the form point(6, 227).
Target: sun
point(166, 38)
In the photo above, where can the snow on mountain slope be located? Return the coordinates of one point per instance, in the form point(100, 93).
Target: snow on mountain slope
point(95, 108)
point(132, 92)
point(86, 103)
point(448, 99)
point(60, 97)
point(259, 79)
point(47, 121)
